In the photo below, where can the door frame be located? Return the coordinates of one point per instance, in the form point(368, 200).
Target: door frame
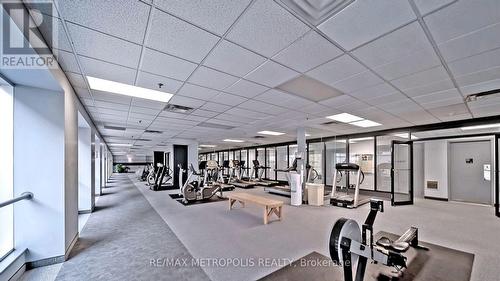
point(496, 198)
point(410, 201)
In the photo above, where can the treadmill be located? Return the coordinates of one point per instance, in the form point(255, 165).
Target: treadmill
point(235, 176)
point(344, 199)
point(259, 170)
point(283, 189)
point(225, 183)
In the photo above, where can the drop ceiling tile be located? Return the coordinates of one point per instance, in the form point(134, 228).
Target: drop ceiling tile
point(262, 107)
point(405, 105)
point(475, 63)
point(228, 99)
point(421, 78)
point(205, 113)
point(104, 47)
point(61, 42)
point(266, 28)
point(478, 77)
point(379, 90)
point(373, 18)
point(425, 6)
point(246, 113)
point(109, 97)
point(338, 101)
point(449, 111)
point(76, 80)
point(210, 78)
point(461, 18)
point(439, 96)
point(197, 92)
point(486, 111)
point(233, 59)
point(215, 107)
point(144, 110)
point(179, 38)
point(413, 63)
point(103, 105)
point(215, 15)
point(185, 101)
point(336, 70)
point(196, 118)
point(151, 81)
point(271, 74)
point(67, 61)
point(441, 103)
point(283, 99)
point(82, 92)
point(473, 43)
point(127, 20)
point(481, 87)
point(109, 71)
point(308, 52)
point(357, 82)
point(166, 65)
point(246, 89)
point(152, 104)
point(433, 87)
point(376, 101)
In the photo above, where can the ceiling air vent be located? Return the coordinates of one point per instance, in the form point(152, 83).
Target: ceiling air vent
point(142, 139)
point(178, 108)
point(114, 128)
point(153, 132)
point(316, 11)
point(259, 137)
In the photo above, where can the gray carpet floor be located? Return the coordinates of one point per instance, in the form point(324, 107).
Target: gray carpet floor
point(122, 237)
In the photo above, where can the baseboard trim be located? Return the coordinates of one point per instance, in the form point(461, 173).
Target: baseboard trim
point(45, 262)
point(71, 245)
point(436, 198)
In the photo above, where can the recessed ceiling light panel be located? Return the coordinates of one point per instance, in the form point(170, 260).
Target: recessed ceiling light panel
point(365, 123)
point(232, 140)
point(345, 117)
point(480, 127)
point(127, 90)
point(271, 133)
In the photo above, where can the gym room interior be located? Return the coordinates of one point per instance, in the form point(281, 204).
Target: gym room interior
point(250, 140)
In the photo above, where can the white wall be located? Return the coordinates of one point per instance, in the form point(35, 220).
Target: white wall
point(436, 168)
point(85, 182)
point(39, 167)
point(96, 149)
point(192, 154)
point(418, 170)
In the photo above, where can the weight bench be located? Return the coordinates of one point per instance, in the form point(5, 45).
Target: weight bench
point(271, 206)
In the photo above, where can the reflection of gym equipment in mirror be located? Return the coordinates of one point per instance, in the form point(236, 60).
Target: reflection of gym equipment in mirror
point(341, 197)
point(349, 244)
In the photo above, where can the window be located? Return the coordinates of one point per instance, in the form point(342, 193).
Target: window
point(237, 155)
point(231, 155)
point(261, 157)
point(336, 152)
point(315, 160)
point(270, 163)
point(281, 161)
point(213, 156)
point(361, 153)
point(6, 169)
point(243, 157)
point(292, 149)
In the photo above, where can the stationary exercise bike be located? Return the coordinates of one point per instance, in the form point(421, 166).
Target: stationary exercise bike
point(350, 244)
point(191, 190)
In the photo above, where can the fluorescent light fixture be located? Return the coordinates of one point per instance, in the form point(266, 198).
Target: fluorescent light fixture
point(365, 123)
point(479, 127)
point(119, 144)
point(231, 140)
point(361, 139)
point(308, 135)
point(271, 133)
point(127, 90)
point(207, 145)
point(345, 117)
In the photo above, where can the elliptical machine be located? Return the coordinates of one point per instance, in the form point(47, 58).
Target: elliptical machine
point(191, 191)
point(349, 244)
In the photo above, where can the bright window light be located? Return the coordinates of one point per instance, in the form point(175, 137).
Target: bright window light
point(365, 123)
point(345, 117)
point(479, 127)
point(119, 144)
point(127, 90)
point(271, 133)
point(207, 145)
point(361, 139)
point(405, 136)
point(231, 140)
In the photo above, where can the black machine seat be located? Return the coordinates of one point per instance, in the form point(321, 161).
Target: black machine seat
point(347, 167)
point(403, 243)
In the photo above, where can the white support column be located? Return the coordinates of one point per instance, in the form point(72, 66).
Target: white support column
point(301, 165)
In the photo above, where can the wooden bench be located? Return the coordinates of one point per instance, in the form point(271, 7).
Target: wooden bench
point(271, 206)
